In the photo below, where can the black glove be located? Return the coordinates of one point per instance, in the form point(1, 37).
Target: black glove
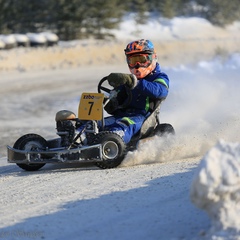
point(118, 79)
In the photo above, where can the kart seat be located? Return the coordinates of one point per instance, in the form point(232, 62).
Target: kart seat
point(152, 120)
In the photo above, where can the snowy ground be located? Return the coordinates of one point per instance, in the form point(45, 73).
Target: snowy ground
point(148, 196)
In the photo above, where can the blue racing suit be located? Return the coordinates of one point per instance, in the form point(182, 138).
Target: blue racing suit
point(127, 122)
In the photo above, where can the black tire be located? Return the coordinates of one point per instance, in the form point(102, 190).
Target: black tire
point(164, 129)
point(30, 142)
point(113, 149)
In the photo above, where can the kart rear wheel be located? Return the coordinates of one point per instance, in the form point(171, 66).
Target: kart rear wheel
point(113, 149)
point(163, 129)
point(30, 142)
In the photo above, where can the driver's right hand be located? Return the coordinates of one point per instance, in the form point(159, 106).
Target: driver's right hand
point(118, 79)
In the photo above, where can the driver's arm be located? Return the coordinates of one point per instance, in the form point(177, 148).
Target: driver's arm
point(155, 89)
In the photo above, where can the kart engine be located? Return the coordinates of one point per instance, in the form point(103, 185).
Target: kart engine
point(66, 130)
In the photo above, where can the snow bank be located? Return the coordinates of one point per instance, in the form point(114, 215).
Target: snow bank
point(8, 40)
point(35, 37)
point(216, 189)
point(175, 28)
point(2, 44)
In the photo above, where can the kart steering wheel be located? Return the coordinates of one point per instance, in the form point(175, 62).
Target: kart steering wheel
point(104, 89)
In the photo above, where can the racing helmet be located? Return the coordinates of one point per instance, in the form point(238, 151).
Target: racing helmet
point(141, 57)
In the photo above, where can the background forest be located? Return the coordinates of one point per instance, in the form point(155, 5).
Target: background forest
point(78, 19)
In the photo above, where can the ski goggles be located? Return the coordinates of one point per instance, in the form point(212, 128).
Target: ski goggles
point(139, 60)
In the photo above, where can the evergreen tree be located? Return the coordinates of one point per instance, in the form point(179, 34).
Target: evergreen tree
point(73, 19)
point(67, 18)
point(220, 12)
point(102, 14)
point(3, 13)
point(23, 16)
point(140, 8)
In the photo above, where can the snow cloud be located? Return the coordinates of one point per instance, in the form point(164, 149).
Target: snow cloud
point(202, 106)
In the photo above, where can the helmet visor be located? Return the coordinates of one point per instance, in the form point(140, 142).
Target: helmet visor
point(139, 60)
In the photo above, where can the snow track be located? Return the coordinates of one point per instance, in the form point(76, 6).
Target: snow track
point(147, 197)
point(124, 203)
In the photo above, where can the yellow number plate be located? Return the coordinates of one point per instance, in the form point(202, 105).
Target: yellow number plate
point(91, 106)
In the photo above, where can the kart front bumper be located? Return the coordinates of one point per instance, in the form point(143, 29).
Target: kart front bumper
point(58, 155)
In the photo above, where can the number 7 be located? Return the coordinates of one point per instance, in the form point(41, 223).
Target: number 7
point(90, 109)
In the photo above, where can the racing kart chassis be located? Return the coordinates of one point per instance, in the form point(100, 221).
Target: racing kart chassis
point(56, 155)
point(83, 138)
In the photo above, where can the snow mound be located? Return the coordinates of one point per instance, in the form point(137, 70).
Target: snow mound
point(36, 37)
point(216, 189)
point(159, 28)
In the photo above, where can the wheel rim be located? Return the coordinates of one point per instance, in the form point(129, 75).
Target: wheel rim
point(33, 146)
point(110, 150)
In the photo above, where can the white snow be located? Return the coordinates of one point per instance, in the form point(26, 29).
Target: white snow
point(216, 188)
point(186, 187)
point(2, 44)
point(52, 37)
point(22, 38)
point(36, 37)
point(8, 39)
point(176, 28)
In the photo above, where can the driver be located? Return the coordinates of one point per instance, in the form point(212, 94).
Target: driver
point(147, 84)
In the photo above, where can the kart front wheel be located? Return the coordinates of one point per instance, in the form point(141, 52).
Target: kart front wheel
point(113, 149)
point(30, 142)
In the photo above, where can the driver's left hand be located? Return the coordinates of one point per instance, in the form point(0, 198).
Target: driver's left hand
point(118, 79)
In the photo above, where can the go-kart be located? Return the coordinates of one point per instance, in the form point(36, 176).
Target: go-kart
point(92, 143)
